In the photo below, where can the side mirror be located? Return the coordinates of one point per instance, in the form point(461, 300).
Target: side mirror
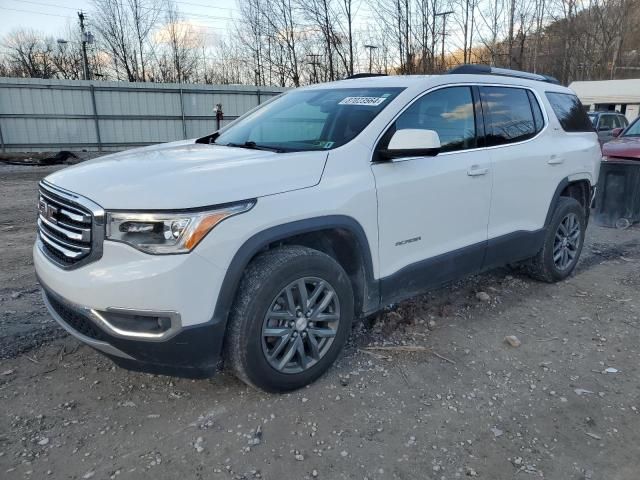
point(412, 142)
point(616, 132)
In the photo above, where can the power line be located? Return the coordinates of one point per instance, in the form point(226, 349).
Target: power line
point(154, 9)
point(70, 17)
point(198, 17)
point(35, 13)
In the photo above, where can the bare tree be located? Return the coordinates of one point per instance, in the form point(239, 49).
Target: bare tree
point(29, 54)
point(320, 14)
point(347, 7)
point(113, 23)
point(284, 29)
point(143, 17)
point(492, 17)
point(227, 65)
point(253, 32)
point(178, 57)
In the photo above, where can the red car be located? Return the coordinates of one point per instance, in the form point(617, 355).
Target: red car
point(626, 145)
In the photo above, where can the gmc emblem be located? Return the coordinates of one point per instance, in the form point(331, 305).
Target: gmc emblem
point(47, 210)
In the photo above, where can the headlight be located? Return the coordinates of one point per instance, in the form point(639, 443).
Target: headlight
point(168, 232)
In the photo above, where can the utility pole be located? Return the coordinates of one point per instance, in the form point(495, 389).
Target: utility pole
point(314, 63)
point(444, 26)
point(371, 48)
point(85, 39)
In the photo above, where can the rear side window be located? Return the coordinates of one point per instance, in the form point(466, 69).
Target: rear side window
point(508, 115)
point(537, 111)
point(570, 112)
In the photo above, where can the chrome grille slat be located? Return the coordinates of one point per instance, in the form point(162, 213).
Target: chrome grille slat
point(66, 230)
point(76, 217)
point(85, 232)
point(70, 227)
point(63, 249)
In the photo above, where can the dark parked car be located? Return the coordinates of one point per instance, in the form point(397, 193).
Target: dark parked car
point(605, 122)
point(626, 143)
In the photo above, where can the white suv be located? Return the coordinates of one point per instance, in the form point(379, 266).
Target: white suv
point(259, 244)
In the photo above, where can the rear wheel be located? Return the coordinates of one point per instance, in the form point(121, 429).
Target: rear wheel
point(563, 243)
point(290, 319)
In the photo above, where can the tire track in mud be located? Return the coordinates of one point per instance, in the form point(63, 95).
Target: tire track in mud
point(601, 252)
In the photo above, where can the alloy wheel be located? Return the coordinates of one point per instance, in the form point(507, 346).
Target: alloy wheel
point(566, 242)
point(300, 325)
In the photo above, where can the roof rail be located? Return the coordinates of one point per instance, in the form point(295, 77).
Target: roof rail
point(365, 75)
point(505, 72)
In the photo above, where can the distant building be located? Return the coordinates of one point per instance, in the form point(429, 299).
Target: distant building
point(610, 95)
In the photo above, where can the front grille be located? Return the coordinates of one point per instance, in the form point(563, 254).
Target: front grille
point(67, 229)
point(76, 320)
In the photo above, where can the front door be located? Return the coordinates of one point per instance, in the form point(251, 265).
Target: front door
point(433, 211)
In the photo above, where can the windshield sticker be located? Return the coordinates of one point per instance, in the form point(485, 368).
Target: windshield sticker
point(372, 101)
point(324, 144)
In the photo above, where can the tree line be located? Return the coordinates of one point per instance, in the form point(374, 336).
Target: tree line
point(296, 42)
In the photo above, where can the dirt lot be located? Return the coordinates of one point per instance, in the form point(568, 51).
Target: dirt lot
point(463, 404)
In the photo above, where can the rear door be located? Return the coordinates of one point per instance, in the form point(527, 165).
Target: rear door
point(526, 170)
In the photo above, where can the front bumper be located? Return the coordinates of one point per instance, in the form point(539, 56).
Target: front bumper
point(180, 289)
point(192, 352)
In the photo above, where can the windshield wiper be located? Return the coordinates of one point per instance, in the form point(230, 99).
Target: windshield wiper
point(251, 145)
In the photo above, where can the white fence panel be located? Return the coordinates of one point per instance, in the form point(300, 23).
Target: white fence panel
point(51, 115)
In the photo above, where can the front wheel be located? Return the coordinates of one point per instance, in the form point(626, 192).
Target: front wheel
point(563, 243)
point(290, 320)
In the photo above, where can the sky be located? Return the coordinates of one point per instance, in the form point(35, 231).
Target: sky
point(214, 17)
point(53, 16)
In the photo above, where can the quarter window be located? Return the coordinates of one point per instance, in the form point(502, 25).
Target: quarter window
point(570, 112)
point(449, 112)
point(508, 115)
point(537, 111)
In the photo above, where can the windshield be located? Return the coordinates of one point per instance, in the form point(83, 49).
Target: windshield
point(633, 130)
point(309, 119)
point(594, 118)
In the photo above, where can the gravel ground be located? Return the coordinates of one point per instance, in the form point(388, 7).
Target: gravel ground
point(429, 389)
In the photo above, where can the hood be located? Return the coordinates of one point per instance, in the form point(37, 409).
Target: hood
point(185, 174)
point(625, 147)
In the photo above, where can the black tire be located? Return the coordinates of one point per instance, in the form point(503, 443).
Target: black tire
point(266, 277)
point(543, 266)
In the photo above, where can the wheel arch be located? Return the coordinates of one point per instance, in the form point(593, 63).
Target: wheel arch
point(339, 236)
point(574, 186)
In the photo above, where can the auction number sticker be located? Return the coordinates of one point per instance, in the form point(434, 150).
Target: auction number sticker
point(372, 101)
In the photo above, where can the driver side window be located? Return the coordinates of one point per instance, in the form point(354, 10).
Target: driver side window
point(449, 112)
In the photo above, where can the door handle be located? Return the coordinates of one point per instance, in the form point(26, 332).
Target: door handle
point(555, 160)
point(476, 171)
